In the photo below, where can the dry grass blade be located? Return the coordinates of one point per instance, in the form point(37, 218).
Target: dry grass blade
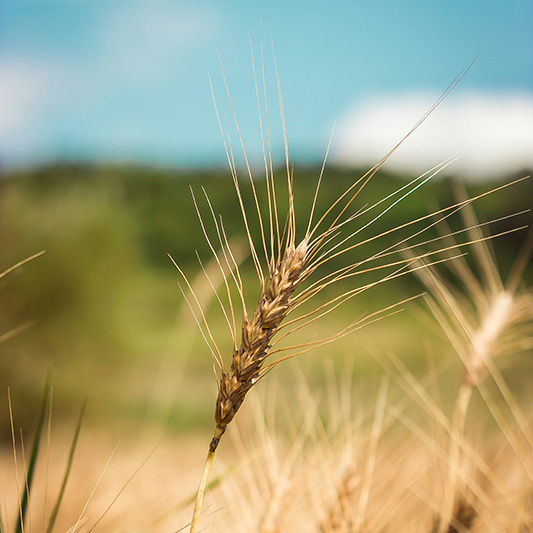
point(377, 428)
point(81, 515)
point(19, 329)
point(20, 263)
point(124, 486)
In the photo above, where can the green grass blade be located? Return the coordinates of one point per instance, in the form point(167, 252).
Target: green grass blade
point(67, 471)
point(35, 449)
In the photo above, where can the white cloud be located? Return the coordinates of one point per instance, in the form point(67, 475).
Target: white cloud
point(19, 93)
point(29, 88)
point(494, 132)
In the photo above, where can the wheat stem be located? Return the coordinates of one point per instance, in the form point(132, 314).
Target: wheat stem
point(219, 431)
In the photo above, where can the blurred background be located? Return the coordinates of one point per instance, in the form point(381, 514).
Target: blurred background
point(107, 118)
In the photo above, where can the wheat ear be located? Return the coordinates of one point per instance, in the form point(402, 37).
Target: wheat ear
point(256, 336)
point(289, 265)
point(494, 324)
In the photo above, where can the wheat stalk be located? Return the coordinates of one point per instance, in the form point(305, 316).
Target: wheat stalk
point(284, 264)
point(494, 320)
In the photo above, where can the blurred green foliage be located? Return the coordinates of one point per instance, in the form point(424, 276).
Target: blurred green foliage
point(103, 300)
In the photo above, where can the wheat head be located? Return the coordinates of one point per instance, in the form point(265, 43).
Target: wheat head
point(284, 285)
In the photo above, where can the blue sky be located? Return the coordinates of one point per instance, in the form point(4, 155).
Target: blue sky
point(116, 80)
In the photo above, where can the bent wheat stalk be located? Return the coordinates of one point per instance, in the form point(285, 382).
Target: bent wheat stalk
point(289, 262)
point(493, 320)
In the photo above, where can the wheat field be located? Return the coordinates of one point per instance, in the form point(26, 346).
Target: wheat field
point(446, 450)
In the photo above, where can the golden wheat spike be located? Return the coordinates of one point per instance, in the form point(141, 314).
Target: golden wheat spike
point(290, 263)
